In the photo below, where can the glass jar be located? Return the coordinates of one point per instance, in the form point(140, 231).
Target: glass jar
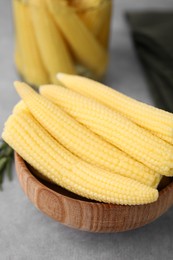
point(70, 36)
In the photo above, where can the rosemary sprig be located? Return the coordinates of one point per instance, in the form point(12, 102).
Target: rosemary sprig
point(6, 159)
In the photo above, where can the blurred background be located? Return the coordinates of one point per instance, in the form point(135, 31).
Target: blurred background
point(25, 233)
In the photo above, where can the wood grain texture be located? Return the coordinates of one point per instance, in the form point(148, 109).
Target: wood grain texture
point(77, 212)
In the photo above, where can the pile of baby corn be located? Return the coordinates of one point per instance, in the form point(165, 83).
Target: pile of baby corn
point(68, 36)
point(92, 140)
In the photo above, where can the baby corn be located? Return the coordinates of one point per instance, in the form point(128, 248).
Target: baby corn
point(118, 130)
point(25, 135)
point(52, 46)
point(83, 142)
point(91, 18)
point(85, 4)
point(104, 34)
point(158, 121)
point(84, 45)
point(27, 56)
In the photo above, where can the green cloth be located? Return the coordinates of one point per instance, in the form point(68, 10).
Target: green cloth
point(152, 33)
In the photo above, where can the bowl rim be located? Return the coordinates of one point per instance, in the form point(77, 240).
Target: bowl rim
point(91, 216)
point(84, 200)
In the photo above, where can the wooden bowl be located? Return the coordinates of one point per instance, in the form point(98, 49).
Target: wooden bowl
point(80, 213)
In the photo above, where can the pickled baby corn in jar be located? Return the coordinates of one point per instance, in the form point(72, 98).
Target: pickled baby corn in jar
point(70, 36)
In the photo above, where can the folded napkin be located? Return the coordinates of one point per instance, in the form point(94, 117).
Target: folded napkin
point(153, 38)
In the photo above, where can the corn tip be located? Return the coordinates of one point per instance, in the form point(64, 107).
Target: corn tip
point(42, 87)
point(19, 85)
point(16, 83)
point(60, 75)
point(45, 86)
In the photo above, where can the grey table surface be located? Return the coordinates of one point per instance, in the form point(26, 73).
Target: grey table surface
point(25, 233)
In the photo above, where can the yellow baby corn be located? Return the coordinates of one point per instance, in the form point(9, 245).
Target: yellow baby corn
point(85, 46)
point(91, 19)
point(151, 118)
point(20, 106)
point(85, 4)
point(29, 58)
point(118, 130)
point(52, 46)
point(81, 141)
point(25, 135)
point(90, 13)
point(104, 34)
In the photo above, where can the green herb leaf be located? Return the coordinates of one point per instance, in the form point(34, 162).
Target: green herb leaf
point(3, 162)
point(9, 169)
point(6, 159)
